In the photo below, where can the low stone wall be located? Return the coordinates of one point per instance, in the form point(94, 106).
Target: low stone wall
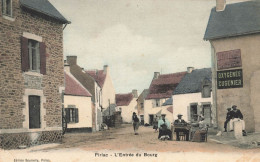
point(14, 140)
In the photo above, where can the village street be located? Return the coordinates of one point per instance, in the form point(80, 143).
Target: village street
point(121, 144)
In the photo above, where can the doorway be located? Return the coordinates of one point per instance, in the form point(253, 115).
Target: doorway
point(34, 112)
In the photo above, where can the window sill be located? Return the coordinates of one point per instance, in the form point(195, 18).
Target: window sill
point(34, 73)
point(8, 18)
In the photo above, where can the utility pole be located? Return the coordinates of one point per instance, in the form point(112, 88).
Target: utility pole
point(109, 106)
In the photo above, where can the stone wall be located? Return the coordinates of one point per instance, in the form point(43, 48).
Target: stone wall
point(15, 140)
point(14, 82)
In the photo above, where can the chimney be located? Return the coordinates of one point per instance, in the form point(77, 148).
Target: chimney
point(220, 5)
point(106, 69)
point(66, 67)
point(72, 60)
point(190, 69)
point(134, 92)
point(156, 75)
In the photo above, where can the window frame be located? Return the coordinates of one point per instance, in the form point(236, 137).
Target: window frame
point(157, 103)
point(5, 8)
point(73, 116)
point(37, 55)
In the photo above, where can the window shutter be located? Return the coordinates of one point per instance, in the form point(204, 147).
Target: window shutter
point(43, 58)
point(24, 54)
point(76, 115)
point(67, 111)
point(188, 113)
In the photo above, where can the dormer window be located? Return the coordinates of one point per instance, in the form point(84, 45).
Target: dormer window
point(7, 7)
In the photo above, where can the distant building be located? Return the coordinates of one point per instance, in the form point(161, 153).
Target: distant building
point(192, 97)
point(234, 34)
point(140, 104)
point(31, 68)
point(92, 86)
point(103, 78)
point(160, 90)
point(126, 104)
point(77, 104)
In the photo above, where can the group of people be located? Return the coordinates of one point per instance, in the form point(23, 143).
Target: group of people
point(234, 115)
point(164, 125)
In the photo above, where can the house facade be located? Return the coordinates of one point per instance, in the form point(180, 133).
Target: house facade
point(77, 104)
point(126, 104)
point(92, 86)
point(160, 90)
point(31, 68)
point(103, 78)
point(193, 97)
point(233, 31)
point(140, 104)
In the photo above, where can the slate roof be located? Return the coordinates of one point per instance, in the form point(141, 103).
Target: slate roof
point(124, 99)
point(168, 102)
point(98, 75)
point(73, 87)
point(237, 19)
point(85, 79)
point(192, 82)
point(164, 85)
point(44, 7)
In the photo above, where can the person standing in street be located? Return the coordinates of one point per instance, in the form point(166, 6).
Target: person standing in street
point(135, 123)
point(228, 118)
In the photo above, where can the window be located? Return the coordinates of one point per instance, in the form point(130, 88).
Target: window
point(72, 115)
point(194, 112)
point(7, 7)
point(157, 103)
point(142, 105)
point(34, 112)
point(206, 92)
point(33, 55)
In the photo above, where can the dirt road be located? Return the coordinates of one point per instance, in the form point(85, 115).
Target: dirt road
point(124, 139)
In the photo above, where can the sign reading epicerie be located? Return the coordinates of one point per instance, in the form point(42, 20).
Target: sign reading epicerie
point(230, 79)
point(229, 59)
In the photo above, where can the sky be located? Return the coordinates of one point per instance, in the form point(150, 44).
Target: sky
point(136, 38)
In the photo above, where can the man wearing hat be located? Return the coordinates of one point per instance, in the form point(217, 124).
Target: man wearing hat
point(228, 118)
point(236, 116)
point(164, 127)
point(180, 122)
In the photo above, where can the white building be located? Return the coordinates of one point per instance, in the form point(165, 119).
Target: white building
point(127, 104)
point(77, 104)
point(192, 96)
point(160, 90)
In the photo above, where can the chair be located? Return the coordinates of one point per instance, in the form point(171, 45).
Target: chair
point(182, 136)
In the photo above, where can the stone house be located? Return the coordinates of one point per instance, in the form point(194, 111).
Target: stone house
point(192, 97)
point(140, 104)
point(31, 69)
point(92, 86)
point(233, 31)
point(160, 90)
point(77, 104)
point(126, 104)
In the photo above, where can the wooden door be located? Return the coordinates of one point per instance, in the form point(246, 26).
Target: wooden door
point(34, 112)
point(207, 114)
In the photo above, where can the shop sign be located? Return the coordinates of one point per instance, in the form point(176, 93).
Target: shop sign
point(229, 59)
point(229, 79)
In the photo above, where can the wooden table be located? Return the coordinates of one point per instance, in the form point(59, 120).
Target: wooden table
point(182, 128)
